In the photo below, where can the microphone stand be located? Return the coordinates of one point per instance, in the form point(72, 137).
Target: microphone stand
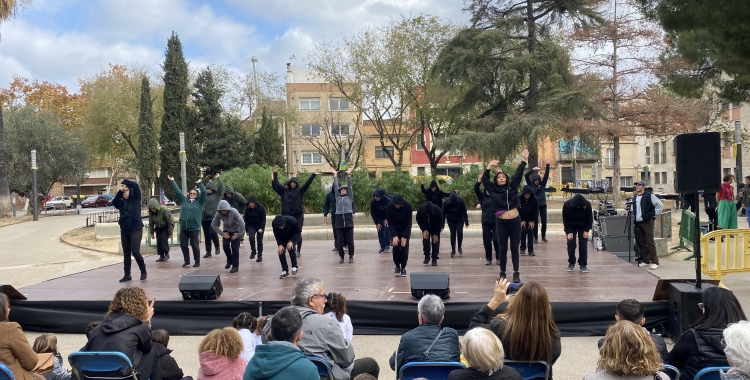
point(628, 228)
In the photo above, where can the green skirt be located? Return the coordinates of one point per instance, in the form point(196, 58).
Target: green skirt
point(727, 215)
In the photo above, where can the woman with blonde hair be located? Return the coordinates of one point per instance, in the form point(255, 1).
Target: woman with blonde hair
point(220, 355)
point(628, 353)
point(47, 344)
point(484, 353)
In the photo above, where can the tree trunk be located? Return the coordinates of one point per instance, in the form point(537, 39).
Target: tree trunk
point(533, 97)
point(616, 172)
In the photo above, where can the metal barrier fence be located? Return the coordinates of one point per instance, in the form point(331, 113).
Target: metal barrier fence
point(729, 254)
point(687, 231)
point(106, 216)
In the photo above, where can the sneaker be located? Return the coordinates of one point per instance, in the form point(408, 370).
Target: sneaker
point(426, 260)
point(166, 257)
point(642, 264)
point(294, 270)
point(381, 250)
point(334, 249)
point(284, 274)
point(502, 275)
point(299, 254)
point(387, 249)
point(242, 243)
point(160, 259)
point(516, 277)
point(126, 278)
point(453, 254)
point(259, 259)
point(341, 259)
point(460, 251)
point(207, 255)
point(584, 269)
point(523, 251)
point(185, 265)
point(531, 253)
point(234, 269)
point(434, 262)
point(196, 265)
point(498, 262)
point(346, 248)
point(571, 267)
point(144, 276)
point(403, 272)
point(227, 266)
point(252, 255)
point(351, 259)
point(217, 252)
point(544, 239)
point(397, 272)
point(488, 262)
point(654, 266)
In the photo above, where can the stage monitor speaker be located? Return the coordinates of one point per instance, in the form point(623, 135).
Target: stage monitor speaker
point(200, 287)
point(430, 283)
point(616, 225)
point(683, 306)
point(11, 292)
point(698, 161)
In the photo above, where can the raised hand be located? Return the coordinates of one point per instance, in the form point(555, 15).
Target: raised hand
point(317, 172)
point(349, 171)
point(217, 175)
point(536, 168)
point(276, 169)
point(493, 163)
point(549, 160)
point(500, 293)
point(198, 181)
point(169, 177)
point(525, 154)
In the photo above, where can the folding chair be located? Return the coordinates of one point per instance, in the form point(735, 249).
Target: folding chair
point(429, 370)
point(710, 373)
point(530, 370)
point(324, 367)
point(101, 365)
point(671, 371)
point(5, 373)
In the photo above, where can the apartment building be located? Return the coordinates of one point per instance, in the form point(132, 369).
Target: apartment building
point(374, 158)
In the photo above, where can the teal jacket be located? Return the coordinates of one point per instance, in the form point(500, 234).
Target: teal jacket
point(190, 212)
point(277, 361)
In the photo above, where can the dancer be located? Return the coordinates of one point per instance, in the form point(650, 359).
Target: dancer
point(160, 227)
point(291, 200)
point(330, 206)
point(578, 219)
point(378, 205)
point(191, 210)
point(232, 233)
point(255, 224)
point(529, 212)
point(488, 221)
point(286, 231)
point(504, 195)
point(343, 219)
point(213, 196)
point(454, 212)
point(538, 185)
point(399, 220)
point(431, 223)
point(727, 210)
point(128, 201)
point(237, 201)
point(433, 194)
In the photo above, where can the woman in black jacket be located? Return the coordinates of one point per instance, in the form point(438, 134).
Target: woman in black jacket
point(255, 225)
point(291, 200)
point(488, 221)
point(433, 194)
point(529, 212)
point(128, 201)
point(399, 218)
point(126, 328)
point(454, 212)
point(504, 195)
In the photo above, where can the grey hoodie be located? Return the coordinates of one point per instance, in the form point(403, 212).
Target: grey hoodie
point(233, 223)
point(212, 200)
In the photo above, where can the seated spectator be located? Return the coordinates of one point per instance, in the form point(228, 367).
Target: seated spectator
point(47, 344)
point(336, 309)
point(632, 310)
point(526, 328)
point(15, 350)
point(737, 349)
point(700, 346)
point(367, 376)
point(245, 324)
point(220, 355)
point(484, 355)
point(126, 328)
point(167, 365)
point(281, 358)
point(324, 338)
point(429, 342)
point(91, 326)
point(628, 353)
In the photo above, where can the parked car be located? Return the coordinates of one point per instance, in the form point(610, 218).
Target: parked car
point(59, 201)
point(110, 197)
point(95, 201)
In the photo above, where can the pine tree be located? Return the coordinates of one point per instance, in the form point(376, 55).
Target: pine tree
point(228, 148)
point(147, 148)
point(207, 117)
point(269, 149)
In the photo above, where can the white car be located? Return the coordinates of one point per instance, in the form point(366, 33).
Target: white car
point(55, 201)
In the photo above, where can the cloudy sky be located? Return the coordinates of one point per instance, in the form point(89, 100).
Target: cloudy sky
point(61, 40)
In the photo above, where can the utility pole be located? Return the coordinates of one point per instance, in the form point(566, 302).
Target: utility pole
point(738, 143)
point(182, 162)
point(33, 186)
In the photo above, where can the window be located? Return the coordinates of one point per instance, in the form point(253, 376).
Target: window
point(648, 155)
point(311, 130)
point(626, 181)
point(380, 153)
point(656, 153)
point(664, 153)
point(664, 178)
point(309, 104)
point(657, 177)
point(420, 141)
point(340, 129)
point(420, 170)
point(338, 104)
point(727, 138)
point(609, 161)
point(310, 158)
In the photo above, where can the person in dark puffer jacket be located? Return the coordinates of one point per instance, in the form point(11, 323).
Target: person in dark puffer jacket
point(429, 342)
point(378, 205)
point(433, 194)
point(213, 196)
point(529, 212)
point(255, 226)
point(431, 222)
point(399, 219)
point(167, 365)
point(488, 221)
point(578, 219)
point(539, 184)
point(454, 212)
point(701, 347)
point(291, 200)
point(128, 201)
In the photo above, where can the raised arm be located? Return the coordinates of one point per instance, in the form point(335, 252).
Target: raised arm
point(202, 195)
point(488, 185)
point(277, 187)
point(527, 176)
point(308, 183)
point(546, 174)
point(178, 193)
point(219, 185)
point(135, 190)
point(516, 179)
point(351, 189)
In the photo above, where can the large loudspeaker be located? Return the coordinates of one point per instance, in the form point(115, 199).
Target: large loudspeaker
point(683, 306)
point(698, 159)
point(430, 283)
point(200, 287)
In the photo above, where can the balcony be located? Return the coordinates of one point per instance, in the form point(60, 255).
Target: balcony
point(580, 156)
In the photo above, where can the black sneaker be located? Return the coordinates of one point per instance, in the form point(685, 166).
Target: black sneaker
point(207, 255)
point(544, 239)
point(381, 250)
point(252, 255)
point(502, 275)
point(294, 271)
point(144, 276)
point(166, 257)
point(488, 262)
point(523, 251)
point(387, 249)
point(196, 265)
point(453, 254)
point(160, 259)
point(334, 249)
point(299, 254)
point(571, 267)
point(217, 252)
point(434, 263)
point(403, 272)
point(516, 277)
point(126, 278)
point(227, 266)
point(460, 251)
point(584, 269)
point(259, 259)
point(397, 272)
point(234, 269)
point(284, 274)
point(185, 265)
point(341, 259)
point(498, 262)
point(426, 260)
point(351, 259)
point(531, 253)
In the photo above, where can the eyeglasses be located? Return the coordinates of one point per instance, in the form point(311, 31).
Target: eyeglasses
point(321, 295)
point(723, 344)
point(193, 193)
point(700, 305)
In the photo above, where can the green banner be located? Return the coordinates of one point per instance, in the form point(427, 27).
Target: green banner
point(687, 231)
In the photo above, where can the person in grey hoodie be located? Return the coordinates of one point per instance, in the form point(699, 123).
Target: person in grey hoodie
point(213, 196)
point(236, 200)
point(344, 215)
point(233, 232)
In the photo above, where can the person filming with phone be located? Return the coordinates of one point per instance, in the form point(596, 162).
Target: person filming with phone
point(525, 327)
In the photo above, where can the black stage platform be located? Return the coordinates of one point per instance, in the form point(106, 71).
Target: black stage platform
point(378, 303)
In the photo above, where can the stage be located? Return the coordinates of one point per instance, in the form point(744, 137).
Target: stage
point(378, 302)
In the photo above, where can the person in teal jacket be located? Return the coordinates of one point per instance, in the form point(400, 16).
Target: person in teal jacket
point(191, 211)
point(282, 357)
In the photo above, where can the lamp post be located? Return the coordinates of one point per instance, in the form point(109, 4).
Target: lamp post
point(33, 185)
point(182, 161)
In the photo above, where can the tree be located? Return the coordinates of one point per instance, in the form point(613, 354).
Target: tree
point(230, 147)
point(62, 156)
point(344, 136)
point(47, 96)
point(208, 114)
point(148, 164)
point(268, 143)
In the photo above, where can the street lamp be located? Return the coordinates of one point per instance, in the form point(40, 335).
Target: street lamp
point(33, 186)
point(182, 161)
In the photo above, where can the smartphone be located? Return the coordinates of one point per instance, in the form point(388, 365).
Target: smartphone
point(513, 288)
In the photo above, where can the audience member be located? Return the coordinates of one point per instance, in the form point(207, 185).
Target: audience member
point(167, 365)
point(47, 344)
point(367, 376)
point(91, 326)
point(526, 328)
point(258, 332)
point(336, 309)
point(701, 346)
point(737, 349)
point(281, 358)
point(632, 310)
point(15, 351)
point(628, 353)
point(245, 324)
point(429, 342)
point(323, 336)
point(484, 354)
point(126, 328)
point(220, 355)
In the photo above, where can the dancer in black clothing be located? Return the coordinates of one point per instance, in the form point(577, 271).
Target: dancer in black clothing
point(578, 219)
point(529, 212)
point(431, 222)
point(128, 201)
point(291, 200)
point(538, 185)
point(504, 195)
point(286, 230)
point(433, 194)
point(488, 221)
point(454, 212)
point(399, 220)
point(255, 225)
point(378, 205)
point(329, 206)
point(213, 196)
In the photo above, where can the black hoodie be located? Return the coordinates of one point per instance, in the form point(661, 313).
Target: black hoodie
point(288, 233)
point(130, 209)
point(378, 208)
point(454, 209)
point(488, 212)
point(529, 210)
point(255, 218)
point(121, 333)
point(291, 199)
point(430, 218)
point(399, 219)
point(532, 176)
point(504, 197)
point(237, 201)
point(577, 214)
point(435, 197)
point(167, 365)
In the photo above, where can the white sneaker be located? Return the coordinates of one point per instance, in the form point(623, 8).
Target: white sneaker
point(284, 274)
point(654, 266)
point(294, 271)
point(642, 264)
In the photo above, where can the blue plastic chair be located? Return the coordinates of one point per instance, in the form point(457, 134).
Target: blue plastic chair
point(429, 370)
point(530, 370)
point(324, 367)
point(671, 371)
point(710, 373)
point(5, 373)
point(101, 365)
